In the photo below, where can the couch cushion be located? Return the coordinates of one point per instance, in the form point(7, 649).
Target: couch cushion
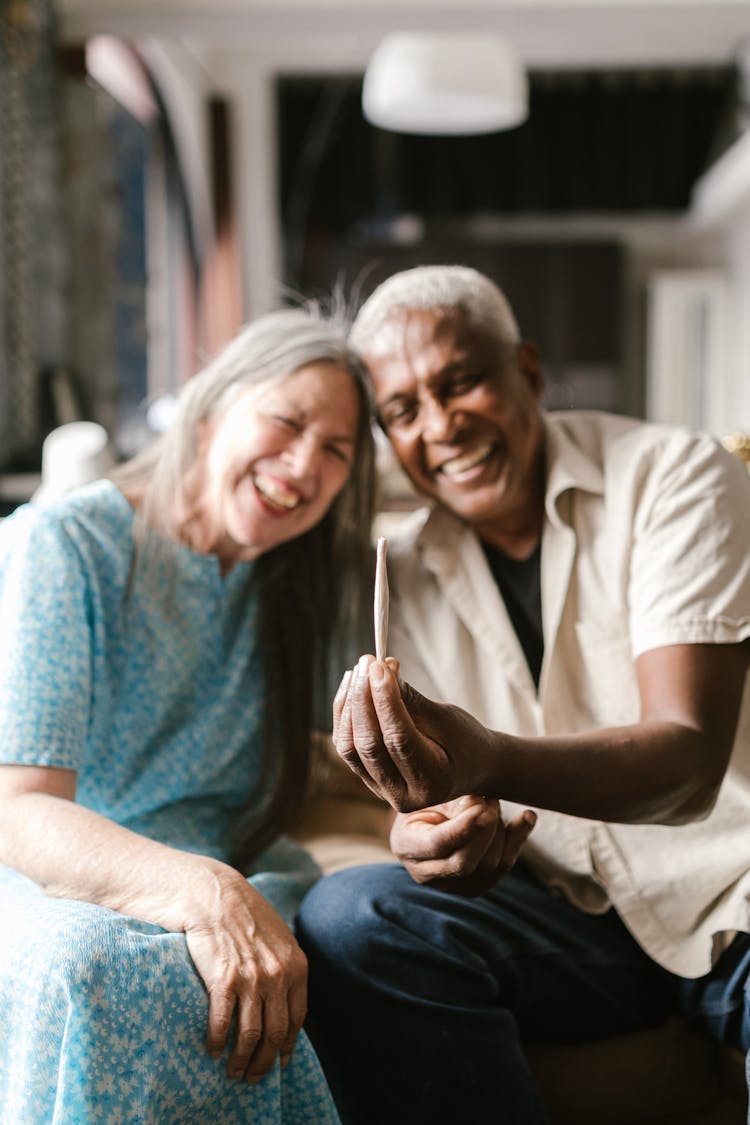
point(648, 1076)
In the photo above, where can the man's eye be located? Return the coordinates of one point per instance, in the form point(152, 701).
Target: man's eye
point(398, 414)
point(462, 383)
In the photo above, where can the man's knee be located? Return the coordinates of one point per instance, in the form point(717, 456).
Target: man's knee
point(341, 916)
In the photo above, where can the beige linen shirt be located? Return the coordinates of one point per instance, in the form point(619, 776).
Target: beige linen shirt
point(646, 542)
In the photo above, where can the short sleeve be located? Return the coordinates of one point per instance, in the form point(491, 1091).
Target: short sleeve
point(45, 643)
point(689, 579)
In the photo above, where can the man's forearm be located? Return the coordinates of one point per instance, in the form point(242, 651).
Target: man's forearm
point(651, 772)
point(665, 769)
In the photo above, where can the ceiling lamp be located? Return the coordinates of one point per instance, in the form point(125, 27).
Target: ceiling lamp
point(444, 83)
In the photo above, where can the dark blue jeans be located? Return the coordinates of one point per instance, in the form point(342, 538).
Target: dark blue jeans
point(420, 1000)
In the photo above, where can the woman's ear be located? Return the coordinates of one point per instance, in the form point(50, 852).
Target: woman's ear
point(530, 366)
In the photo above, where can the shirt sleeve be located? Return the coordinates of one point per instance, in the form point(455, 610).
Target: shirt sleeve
point(45, 643)
point(690, 562)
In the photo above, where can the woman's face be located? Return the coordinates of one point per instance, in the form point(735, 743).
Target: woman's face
point(272, 463)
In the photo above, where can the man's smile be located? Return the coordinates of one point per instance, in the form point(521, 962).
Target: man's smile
point(456, 467)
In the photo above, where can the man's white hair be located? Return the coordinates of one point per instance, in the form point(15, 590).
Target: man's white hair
point(453, 289)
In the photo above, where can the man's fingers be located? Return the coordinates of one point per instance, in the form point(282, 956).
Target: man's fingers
point(339, 700)
point(343, 733)
point(370, 737)
point(469, 830)
point(421, 760)
point(507, 843)
point(422, 710)
point(517, 832)
point(376, 736)
point(399, 732)
point(342, 692)
point(465, 849)
point(349, 699)
point(448, 848)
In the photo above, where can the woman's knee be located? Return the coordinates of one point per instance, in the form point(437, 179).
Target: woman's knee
point(89, 950)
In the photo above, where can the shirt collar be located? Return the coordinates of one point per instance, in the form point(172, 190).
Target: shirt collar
point(570, 466)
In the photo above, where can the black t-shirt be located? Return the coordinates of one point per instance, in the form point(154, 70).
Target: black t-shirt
point(520, 584)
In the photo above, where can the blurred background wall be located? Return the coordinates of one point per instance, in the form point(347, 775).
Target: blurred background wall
point(167, 172)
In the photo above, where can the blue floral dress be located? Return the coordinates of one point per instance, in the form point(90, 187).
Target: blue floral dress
point(150, 691)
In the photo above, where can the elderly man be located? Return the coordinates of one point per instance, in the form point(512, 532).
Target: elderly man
point(571, 616)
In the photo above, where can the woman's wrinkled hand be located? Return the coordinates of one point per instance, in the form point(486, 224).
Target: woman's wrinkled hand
point(407, 749)
point(254, 970)
point(462, 846)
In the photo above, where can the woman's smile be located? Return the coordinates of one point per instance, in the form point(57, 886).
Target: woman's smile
point(273, 465)
point(276, 493)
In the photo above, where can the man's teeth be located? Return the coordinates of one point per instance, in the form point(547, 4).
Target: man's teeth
point(276, 492)
point(467, 461)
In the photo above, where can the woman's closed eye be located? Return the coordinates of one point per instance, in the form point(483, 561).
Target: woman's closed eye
point(287, 422)
point(339, 453)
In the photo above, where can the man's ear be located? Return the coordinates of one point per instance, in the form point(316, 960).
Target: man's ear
point(530, 366)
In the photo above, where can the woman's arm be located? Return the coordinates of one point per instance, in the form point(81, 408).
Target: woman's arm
point(243, 951)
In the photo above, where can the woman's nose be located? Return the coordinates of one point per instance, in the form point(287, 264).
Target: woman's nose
point(303, 456)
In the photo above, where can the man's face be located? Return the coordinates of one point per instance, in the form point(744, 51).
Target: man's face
point(462, 413)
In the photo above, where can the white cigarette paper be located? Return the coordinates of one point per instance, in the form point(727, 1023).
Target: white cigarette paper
point(381, 601)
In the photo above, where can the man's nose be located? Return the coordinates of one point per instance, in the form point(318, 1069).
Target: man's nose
point(438, 422)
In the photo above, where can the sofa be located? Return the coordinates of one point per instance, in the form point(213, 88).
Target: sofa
point(671, 1075)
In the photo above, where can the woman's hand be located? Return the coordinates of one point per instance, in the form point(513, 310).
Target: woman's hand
point(250, 964)
point(462, 846)
point(406, 748)
point(245, 954)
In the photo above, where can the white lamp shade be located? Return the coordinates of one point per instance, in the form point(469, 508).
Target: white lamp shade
point(444, 83)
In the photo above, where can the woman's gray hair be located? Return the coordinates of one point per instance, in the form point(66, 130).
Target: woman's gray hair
point(265, 351)
point(313, 592)
point(460, 289)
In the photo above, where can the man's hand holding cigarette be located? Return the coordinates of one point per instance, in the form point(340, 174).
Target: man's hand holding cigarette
point(424, 758)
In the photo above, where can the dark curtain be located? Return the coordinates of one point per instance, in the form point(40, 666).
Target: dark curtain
point(32, 252)
point(620, 141)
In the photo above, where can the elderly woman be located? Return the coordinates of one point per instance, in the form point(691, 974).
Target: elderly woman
point(165, 635)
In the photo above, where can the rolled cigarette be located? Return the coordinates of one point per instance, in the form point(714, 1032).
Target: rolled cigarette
point(380, 609)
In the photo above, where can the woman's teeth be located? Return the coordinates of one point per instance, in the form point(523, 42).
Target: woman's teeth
point(466, 461)
point(274, 491)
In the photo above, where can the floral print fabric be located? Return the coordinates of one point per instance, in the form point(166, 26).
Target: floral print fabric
point(152, 692)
